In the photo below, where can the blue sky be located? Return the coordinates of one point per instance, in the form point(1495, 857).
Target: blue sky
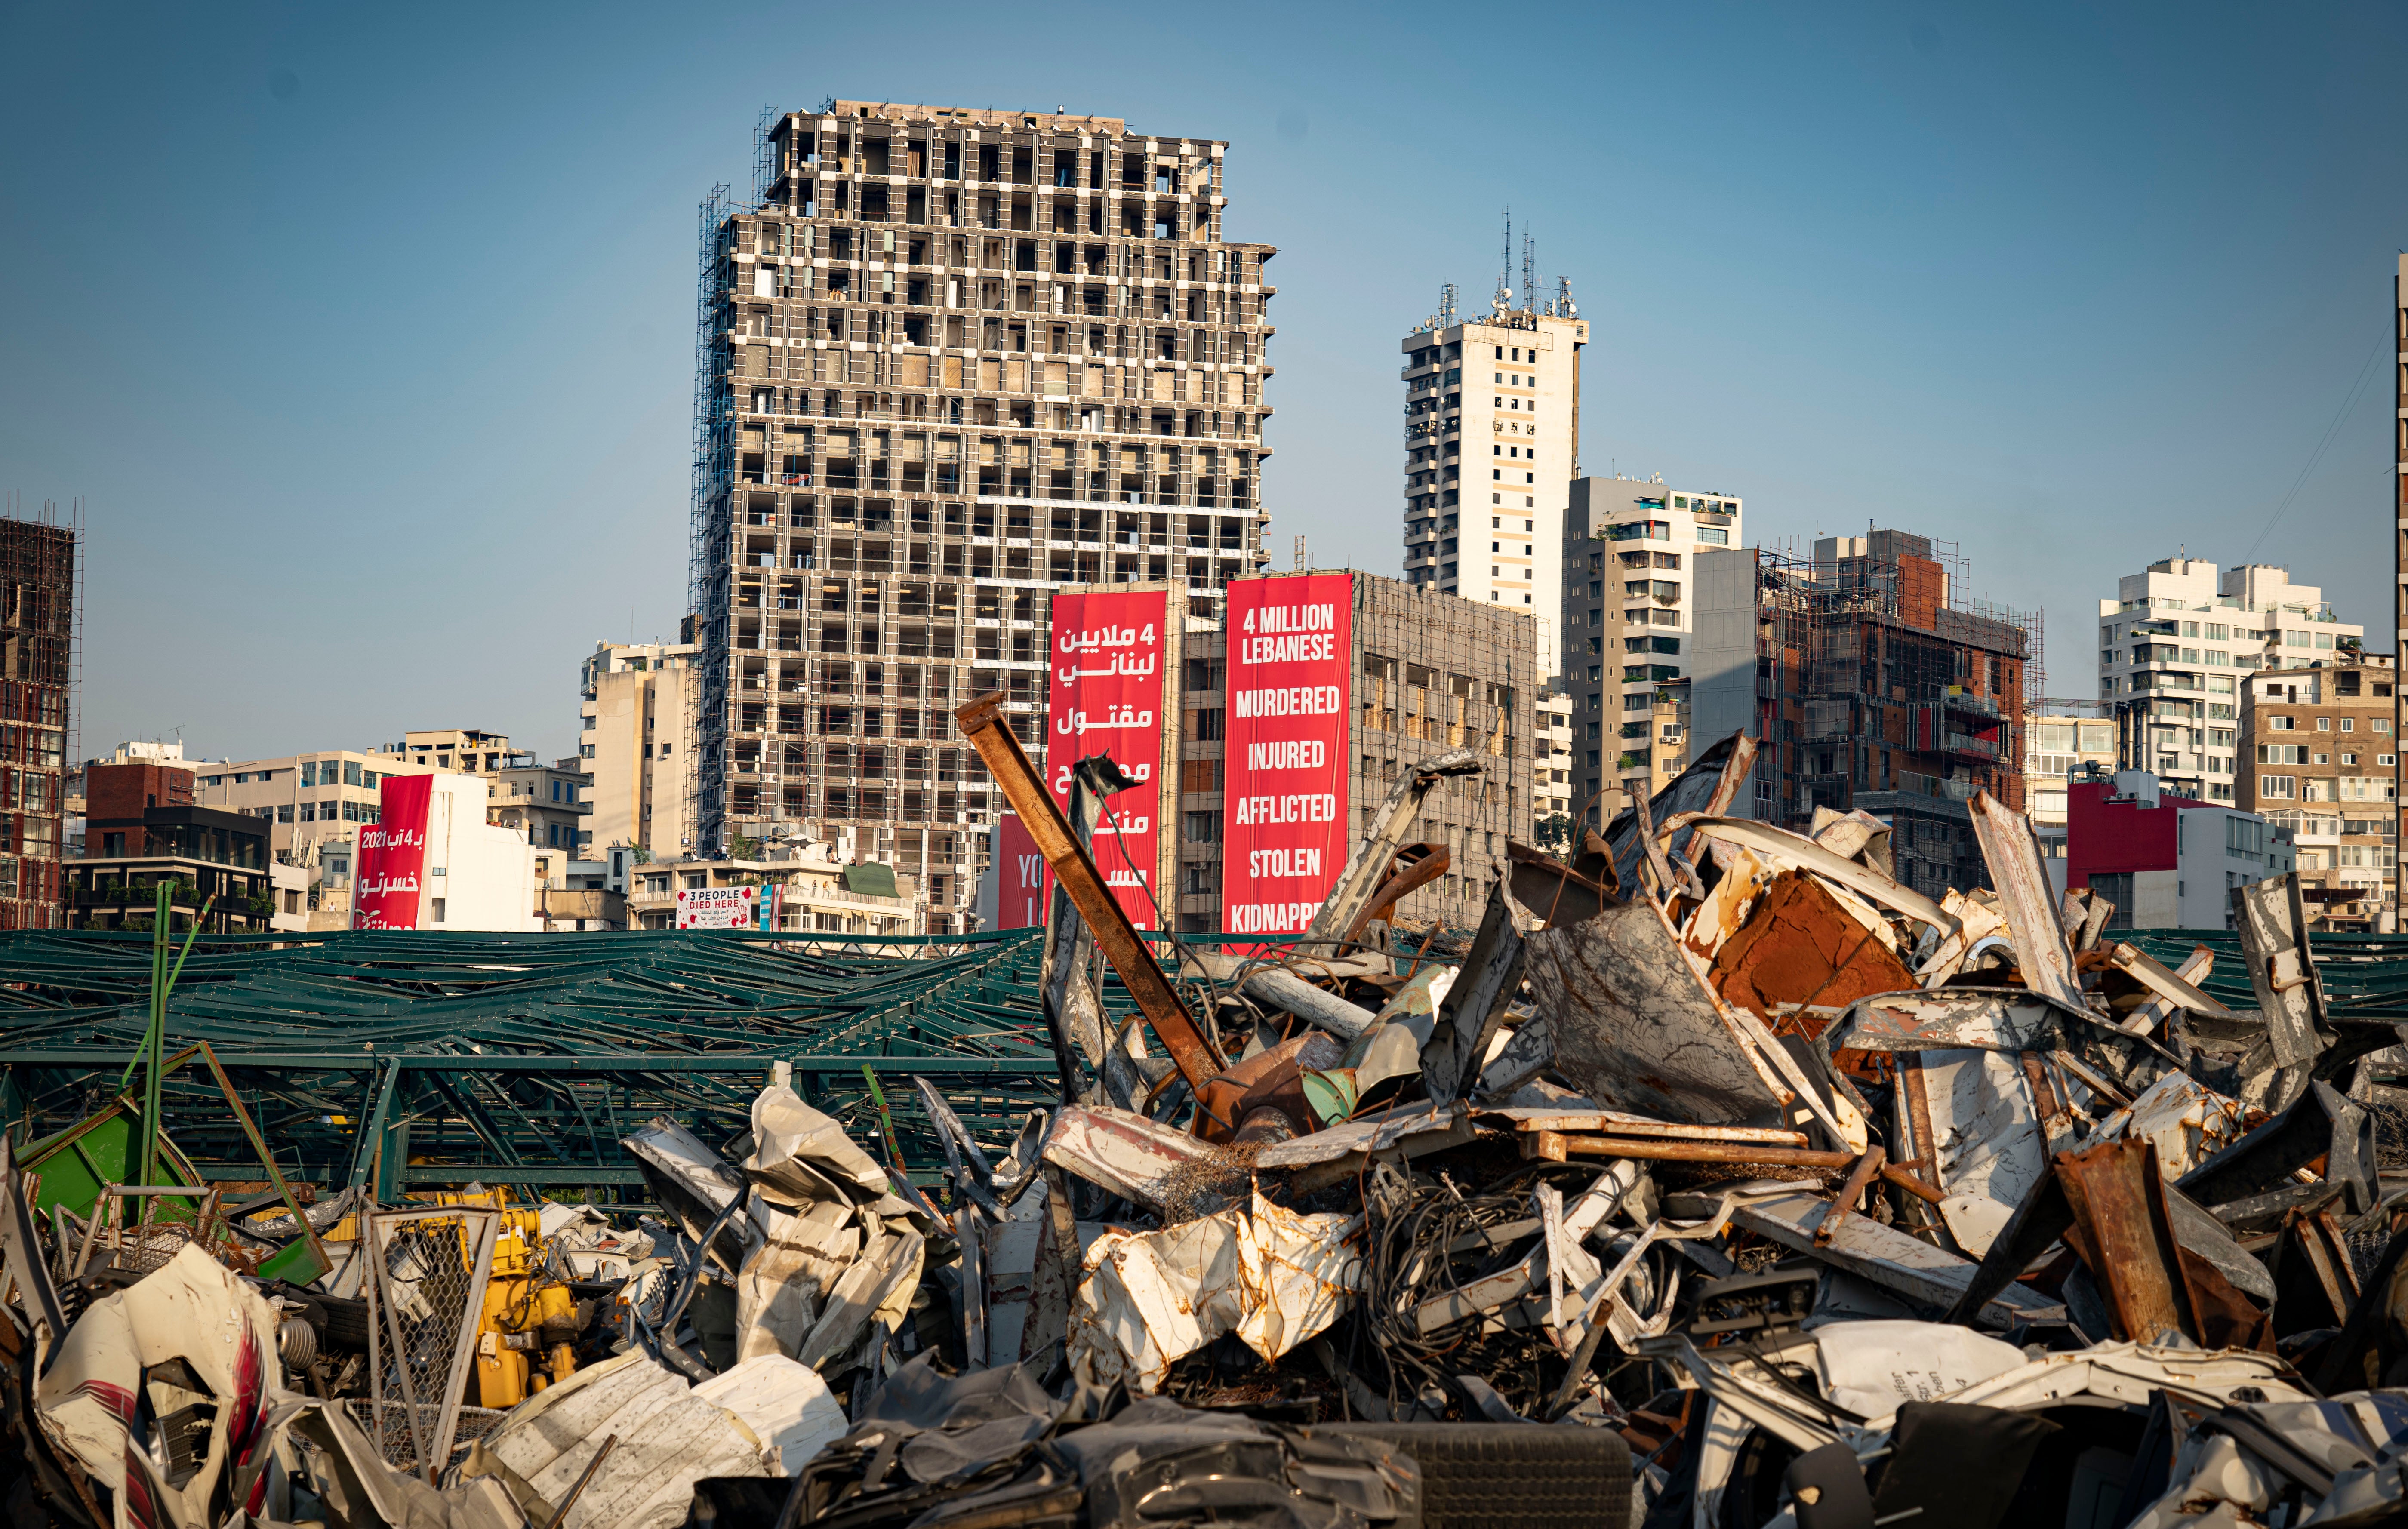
point(366, 334)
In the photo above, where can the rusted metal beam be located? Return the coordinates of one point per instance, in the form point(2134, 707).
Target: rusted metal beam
point(1850, 1193)
point(983, 724)
point(2120, 1209)
point(1350, 901)
point(1433, 863)
point(1899, 1175)
point(1556, 1146)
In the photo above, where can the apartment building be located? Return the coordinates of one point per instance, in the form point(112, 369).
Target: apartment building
point(811, 892)
point(635, 717)
point(1628, 554)
point(947, 361)
point(311, 800)
point(544, 802)
point(1873, 679)
point(2321, 755)
point(1483, 524)
point(146, 829)
point(464, 751)
point(1551, 774)
point(2174, 648)
point(2060, 745)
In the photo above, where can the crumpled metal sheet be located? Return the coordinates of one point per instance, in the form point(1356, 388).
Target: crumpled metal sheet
point(2345, 1454)
point(801, 1156)
point(96, 1393)
point(1274, 1277)
point(2020, 876)
point(1136, 1158)
point(1987, 1019)
point(1872, 1368)
point(2189, 1122)
point(1636, 1028)
point(752, 1421)
point(1986, 1134)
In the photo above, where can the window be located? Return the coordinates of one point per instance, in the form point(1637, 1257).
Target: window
point(2279, 724)
point(2324, 724)
point(2276, 787)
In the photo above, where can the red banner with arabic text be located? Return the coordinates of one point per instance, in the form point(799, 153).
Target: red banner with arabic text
point(1284, 832)
point(1105, 697)
point(390, 863)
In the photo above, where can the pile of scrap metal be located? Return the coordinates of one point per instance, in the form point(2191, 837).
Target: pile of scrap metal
point(1717, 1139)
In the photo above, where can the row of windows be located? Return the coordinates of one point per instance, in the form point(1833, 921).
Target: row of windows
point(2275, 723)
point(2347, 788)
point(2298, 753)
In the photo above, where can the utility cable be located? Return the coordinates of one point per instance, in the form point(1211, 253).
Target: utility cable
point(2347, 403)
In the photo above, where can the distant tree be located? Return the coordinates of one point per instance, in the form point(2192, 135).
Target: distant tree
point(1553, 832)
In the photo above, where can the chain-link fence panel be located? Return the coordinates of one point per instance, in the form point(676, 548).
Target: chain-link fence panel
point(427, 1273)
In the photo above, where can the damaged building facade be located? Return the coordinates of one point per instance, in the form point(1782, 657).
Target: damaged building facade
point(1874, 679)
point(948, 360)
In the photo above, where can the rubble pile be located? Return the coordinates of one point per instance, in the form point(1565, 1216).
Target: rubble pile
point(1716, 1178)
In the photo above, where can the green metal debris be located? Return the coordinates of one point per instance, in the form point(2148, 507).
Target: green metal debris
point(406, 1061)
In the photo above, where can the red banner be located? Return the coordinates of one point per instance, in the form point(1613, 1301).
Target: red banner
point(390, 863)
point(1021, 878)
point(1105, 697)
point(1283, 832)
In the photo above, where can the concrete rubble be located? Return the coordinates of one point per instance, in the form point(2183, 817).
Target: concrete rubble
point(1716, 1178)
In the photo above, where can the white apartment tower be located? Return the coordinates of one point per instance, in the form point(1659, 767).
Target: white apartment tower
point(948, 360)
point(2175, 646)
point(1628, 558)
point(1492, 445)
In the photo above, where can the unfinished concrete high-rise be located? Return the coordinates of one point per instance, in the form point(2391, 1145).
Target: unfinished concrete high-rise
point(948, 360)
point(38, 608)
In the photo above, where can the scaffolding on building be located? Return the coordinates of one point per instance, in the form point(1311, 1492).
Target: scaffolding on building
point(707, 539)
point(1883, 681)
point(41, 628)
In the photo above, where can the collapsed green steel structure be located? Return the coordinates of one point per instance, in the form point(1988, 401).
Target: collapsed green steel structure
point(400, 1061)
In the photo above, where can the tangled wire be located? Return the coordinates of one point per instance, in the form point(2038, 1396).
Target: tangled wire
point(1428, 1241)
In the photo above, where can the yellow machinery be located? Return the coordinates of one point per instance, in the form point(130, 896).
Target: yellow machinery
point(526, 1339)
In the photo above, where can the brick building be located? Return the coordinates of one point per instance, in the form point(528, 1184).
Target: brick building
point(2320, 757)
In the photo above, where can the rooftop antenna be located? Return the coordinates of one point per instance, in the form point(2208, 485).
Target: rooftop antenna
point(1505, 271)
point(1446, 306)
point(1529, 288)
point(1565, 307)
